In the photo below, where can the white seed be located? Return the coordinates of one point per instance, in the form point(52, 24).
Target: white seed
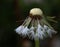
point(25, 31)
point(19, 29)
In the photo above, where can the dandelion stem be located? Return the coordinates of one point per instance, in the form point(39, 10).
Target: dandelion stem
point(37, 42)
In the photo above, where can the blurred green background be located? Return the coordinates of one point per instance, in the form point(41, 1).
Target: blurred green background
point(13, 12)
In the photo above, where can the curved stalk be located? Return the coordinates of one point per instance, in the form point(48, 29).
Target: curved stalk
point(37, 42)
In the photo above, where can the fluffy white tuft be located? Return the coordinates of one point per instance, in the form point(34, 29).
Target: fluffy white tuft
point(40, 32)
point(49, 31)
point(19, 29)
point(46, 27)
point(25, 31)
point(32, 35)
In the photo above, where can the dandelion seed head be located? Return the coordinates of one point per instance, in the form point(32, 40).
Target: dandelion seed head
point(34, 27)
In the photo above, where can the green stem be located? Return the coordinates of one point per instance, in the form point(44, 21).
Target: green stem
point(37, 42)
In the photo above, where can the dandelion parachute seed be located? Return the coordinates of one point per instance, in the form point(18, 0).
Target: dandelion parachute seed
point(35, 25)
point(19, 29)
point(32, 35)
point(25, 31)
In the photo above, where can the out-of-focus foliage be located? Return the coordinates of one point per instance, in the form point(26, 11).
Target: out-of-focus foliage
point(8, 17)
point(7, 24)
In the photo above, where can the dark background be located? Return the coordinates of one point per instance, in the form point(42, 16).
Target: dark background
point(13, 13)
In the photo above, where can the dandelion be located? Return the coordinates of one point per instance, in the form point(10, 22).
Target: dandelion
point(35, 26)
